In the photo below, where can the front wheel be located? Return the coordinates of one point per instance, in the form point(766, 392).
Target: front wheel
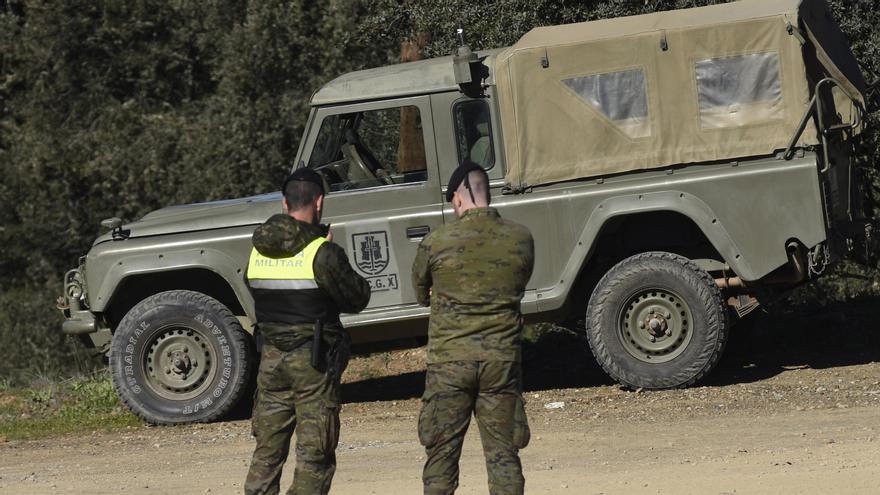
point(180, 357)
point(656, 320)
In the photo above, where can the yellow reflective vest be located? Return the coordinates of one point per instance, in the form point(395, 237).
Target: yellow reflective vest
point(285, 289)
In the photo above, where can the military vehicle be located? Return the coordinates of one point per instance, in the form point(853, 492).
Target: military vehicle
point(676, 170)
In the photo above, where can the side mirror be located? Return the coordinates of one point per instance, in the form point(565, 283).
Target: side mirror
point(115, 226)
point(111, 223)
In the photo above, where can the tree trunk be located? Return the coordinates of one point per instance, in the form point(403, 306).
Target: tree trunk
point(411, 147)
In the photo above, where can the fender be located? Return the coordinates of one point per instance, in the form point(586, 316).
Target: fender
point(680, 202)
point(730, 205)
point(223, 253)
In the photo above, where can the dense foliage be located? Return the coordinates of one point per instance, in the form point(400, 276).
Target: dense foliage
point(117, 107)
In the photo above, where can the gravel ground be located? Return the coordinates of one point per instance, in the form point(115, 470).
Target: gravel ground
point(793, 408)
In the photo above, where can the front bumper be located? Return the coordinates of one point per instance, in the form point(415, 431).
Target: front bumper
point(78, 319)
point(80, 323)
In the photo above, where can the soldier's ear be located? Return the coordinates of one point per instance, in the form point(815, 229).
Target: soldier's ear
point(284, 208)
point(319, 203)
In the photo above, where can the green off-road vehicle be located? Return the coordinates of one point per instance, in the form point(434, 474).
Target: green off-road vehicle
point(675, 169)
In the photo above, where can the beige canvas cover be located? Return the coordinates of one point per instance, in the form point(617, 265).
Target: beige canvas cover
point(712, 83)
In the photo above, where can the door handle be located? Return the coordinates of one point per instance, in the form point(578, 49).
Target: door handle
point(417, 232)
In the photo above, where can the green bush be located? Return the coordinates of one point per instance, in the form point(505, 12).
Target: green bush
point(33, 349)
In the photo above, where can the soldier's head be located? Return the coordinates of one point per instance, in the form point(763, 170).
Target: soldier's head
point(468, 188)
point(303, 192)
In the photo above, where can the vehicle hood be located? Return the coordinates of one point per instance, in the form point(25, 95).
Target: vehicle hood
point(252, 210)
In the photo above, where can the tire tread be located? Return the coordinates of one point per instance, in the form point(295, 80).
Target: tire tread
point(239, 338)
point(709, 293)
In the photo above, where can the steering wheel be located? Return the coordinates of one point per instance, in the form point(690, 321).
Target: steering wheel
point(365, 160)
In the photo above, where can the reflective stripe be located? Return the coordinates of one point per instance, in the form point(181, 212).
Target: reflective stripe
point(283, 284)
point(296, 267)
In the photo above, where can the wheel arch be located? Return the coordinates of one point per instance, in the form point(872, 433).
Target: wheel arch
point(136, 287)
point(689, 214)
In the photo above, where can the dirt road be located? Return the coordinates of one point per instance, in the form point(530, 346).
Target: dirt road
point(801, 416)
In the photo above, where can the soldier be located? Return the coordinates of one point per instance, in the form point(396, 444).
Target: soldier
point(473, 273)
point(300, 282)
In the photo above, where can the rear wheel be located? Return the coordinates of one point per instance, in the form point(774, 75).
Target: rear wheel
point(656, 320)
point(181, 357)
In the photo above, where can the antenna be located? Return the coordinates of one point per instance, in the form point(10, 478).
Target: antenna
point(468, 67)
point(462, 59)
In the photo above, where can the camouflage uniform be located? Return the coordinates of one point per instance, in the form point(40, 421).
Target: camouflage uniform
point(476, 270)
point(291, 393)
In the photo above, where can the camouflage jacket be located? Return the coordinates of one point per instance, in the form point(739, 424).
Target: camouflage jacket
point(283, 236)
point(473, 273)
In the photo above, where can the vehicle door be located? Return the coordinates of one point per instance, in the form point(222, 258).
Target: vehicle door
point(379, 163)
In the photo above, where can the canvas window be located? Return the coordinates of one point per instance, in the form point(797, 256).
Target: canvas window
point(739, 91)
point(621, 97)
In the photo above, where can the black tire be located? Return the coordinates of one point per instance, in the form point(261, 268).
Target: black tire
point(181, 357)
point(655, 321)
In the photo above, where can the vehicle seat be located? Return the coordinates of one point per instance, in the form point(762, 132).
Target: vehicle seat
point(481, 150)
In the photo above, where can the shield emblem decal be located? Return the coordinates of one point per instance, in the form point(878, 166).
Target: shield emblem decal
point(371, 253)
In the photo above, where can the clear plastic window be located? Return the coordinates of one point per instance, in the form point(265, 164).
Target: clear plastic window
point(738, 91)
point(473, 133)
point(370, 149)
point(621, 97)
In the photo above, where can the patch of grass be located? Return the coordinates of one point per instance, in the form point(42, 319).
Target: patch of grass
point(57, 408)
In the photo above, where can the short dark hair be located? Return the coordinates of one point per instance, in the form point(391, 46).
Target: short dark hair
point(478, 182)
point(302, 188)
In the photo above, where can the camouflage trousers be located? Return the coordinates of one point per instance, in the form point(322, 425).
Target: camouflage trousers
point(291, 394)
point(491, 391)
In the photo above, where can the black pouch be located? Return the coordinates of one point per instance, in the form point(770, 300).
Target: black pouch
point(258, 339)
point(338, 353)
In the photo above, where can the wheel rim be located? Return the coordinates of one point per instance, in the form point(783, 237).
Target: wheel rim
point(655, 325)
point(179, 362)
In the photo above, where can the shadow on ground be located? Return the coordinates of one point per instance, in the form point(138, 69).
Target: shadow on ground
point(554, 358)
point(759, 348)
point(397, 387)
point(841, 334)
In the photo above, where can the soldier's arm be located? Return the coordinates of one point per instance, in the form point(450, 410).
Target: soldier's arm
point(334, 274)
point(530, 257)
point(421, 274)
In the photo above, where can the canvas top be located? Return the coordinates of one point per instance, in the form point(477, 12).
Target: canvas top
point(695, 85)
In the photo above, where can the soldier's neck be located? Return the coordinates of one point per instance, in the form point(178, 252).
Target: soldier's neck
point(305, 215)
point(472, 207)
